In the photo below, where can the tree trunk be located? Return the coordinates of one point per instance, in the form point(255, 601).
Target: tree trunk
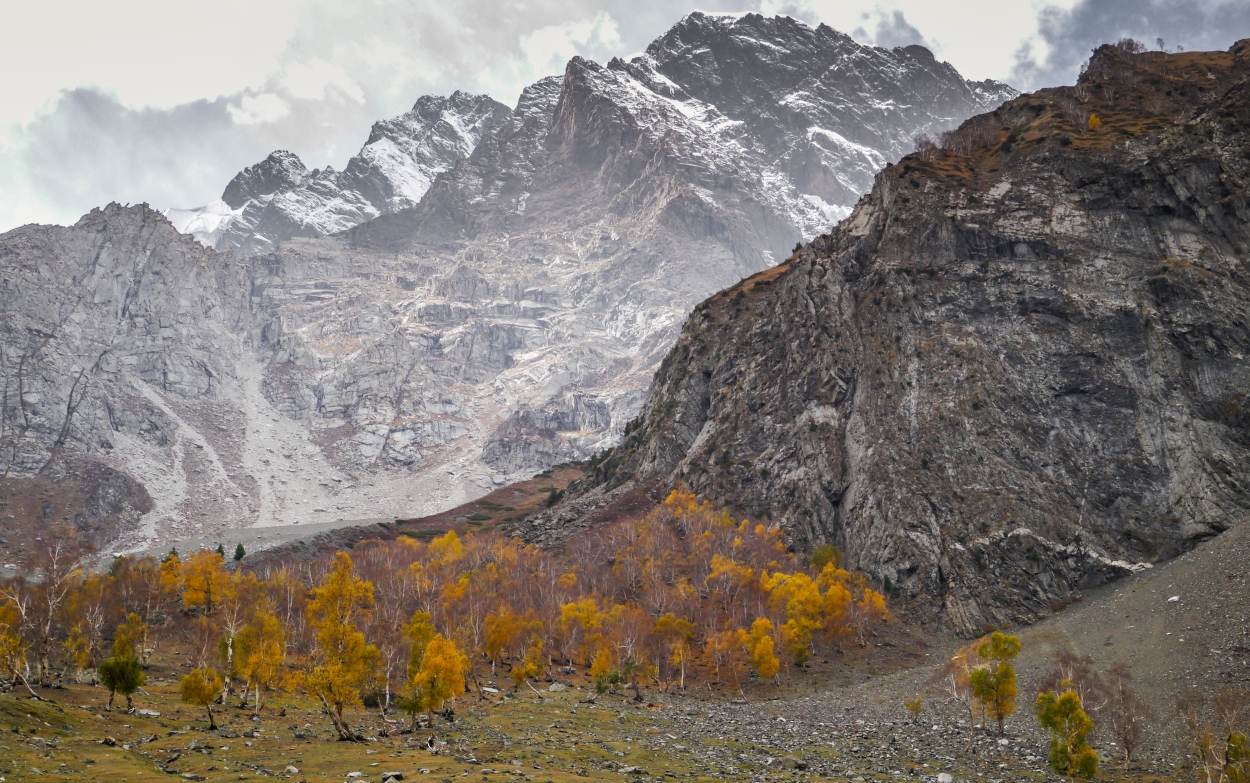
point(18, 676)
point(212, 724)
point(45, 669)
point(340, 726)
point(226, 689)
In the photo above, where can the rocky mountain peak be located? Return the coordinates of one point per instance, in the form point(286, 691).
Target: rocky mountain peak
point(280, 172)
point(279, 198)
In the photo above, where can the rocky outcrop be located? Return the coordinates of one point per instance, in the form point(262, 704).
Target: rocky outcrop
point(1018, 369)
point(280, 198)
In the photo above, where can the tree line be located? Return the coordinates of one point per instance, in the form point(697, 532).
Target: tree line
point(685, 592)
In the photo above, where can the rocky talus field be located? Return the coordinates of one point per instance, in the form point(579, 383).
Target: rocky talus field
point(1020, 369)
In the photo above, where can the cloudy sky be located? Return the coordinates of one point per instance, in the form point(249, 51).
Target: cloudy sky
point(164, 101)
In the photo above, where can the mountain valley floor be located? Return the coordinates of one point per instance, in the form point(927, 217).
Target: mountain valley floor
point(841, 719)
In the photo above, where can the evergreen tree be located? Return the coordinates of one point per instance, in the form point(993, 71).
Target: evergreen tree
point(239, 551)
point(221, 550)
point(121, 675)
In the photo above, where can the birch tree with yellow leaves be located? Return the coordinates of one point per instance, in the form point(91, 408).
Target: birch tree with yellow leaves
point(342, 661)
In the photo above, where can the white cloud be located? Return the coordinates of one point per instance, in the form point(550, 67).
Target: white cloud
point(147, 52)
point(548, 49)
point(311, 80)
point(979, 37)
point(255, 109)
point(545, 52)
point(312, 76)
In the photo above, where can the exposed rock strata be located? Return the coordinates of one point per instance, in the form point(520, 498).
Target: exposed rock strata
point(1011, 373)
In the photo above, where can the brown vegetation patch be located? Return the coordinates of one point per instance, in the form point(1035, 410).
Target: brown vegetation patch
point(97, 502)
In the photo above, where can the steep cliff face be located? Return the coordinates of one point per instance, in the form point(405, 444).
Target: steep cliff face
point(280, 198)
point(1019, 368)
point(109, 328)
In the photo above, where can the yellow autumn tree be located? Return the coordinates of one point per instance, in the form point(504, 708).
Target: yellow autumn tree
point(342, 662)
point(994, 682)
point(760, 649)
point(600, 668)
point(849, 604)
point(85, 614)
point(128, 639)
point(798, 596)
point(446, 549)
point(532, 664)
point(13, 645)
point(956, 680)
point(170, 580)
point(725, 651)
point(579, 621)
point(440, 678)
point(727, 578)
point(201, 687)
point(419, 630)
point(868, 610)
point(260, 654)
point(204, 580)
point(77, 648)
point(1063, 716)
point(677, 634)
point(501, 629)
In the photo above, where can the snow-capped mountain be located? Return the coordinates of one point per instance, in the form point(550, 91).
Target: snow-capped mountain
point(556, 263)
point(508, 316)
point(279, 198)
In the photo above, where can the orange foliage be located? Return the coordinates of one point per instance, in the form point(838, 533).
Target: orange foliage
point(204, 580)
point(687, 591)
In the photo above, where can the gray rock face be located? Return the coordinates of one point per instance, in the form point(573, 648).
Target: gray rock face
point(510, 320)
point(110, 327)
point(1012, 373)
point(282, 171)
point(147, 358)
